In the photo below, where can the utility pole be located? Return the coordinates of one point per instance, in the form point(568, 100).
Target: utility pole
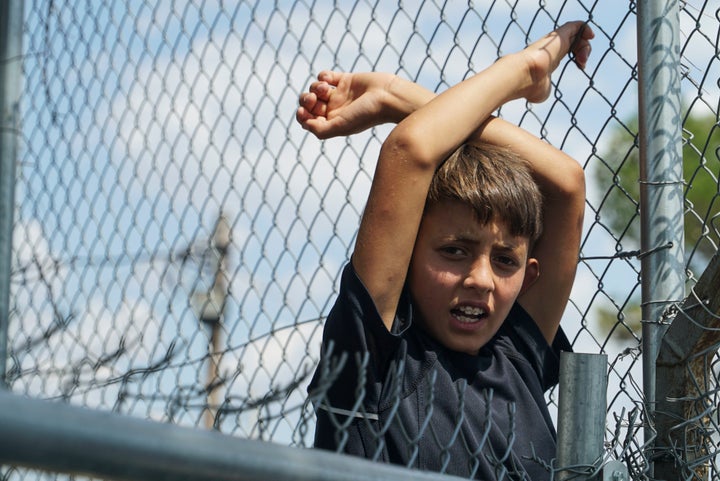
point(211, 306)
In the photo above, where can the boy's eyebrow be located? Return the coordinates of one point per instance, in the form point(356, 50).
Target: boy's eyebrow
point(471, 239)
point(467, 238)
point(508, 246)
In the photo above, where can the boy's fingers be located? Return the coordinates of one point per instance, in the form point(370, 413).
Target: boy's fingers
point(308, 100)
point(312, 104)
point(577, 38)
point(311, 123)
point(329, 76)
point(581, 57)
point(580, 47)
point(320, 109)
point(322, 90)
point(301, 116)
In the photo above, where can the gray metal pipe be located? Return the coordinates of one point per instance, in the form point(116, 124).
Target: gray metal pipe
point(69, 439)
point(661, 178)
point(11, 23)
point(582, 406)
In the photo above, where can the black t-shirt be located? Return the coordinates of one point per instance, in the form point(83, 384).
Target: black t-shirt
point(401, 397)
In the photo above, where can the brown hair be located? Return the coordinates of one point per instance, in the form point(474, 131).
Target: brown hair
point(495, 183)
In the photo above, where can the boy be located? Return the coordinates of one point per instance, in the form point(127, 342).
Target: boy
point(445, 334)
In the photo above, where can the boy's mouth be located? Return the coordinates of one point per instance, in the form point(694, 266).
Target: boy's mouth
point(468, 314)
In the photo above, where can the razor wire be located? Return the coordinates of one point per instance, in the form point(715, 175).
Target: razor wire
point(179, 239)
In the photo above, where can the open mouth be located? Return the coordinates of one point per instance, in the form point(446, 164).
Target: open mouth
point(467, 314)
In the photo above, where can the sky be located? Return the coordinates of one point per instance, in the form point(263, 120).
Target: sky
point(142, 124)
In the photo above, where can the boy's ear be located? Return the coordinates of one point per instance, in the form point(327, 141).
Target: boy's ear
point(532, 272)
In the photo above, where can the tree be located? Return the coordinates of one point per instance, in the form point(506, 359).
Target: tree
point(617, 174)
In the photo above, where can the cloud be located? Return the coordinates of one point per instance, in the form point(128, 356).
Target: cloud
point(266, 381)
point(60, 351)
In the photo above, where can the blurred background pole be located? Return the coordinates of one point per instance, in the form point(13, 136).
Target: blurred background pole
point(11, 22)
point(211, 308)
point(661, 178)
point(582, 405)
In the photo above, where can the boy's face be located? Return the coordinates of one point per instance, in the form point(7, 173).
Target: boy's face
point(464, 277)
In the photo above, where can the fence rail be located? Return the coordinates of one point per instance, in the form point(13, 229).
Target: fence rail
point(174, 239)
point(67, 439)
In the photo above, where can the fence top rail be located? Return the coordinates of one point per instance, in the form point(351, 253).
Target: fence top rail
point(63, 438)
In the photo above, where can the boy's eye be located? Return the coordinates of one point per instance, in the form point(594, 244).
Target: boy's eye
point(453, 251)
point(506, 260)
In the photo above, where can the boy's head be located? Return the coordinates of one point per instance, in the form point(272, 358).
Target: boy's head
point(495, 183)
point(471, 258)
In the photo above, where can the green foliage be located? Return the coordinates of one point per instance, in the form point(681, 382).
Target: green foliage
point(623, 327)
point(701, 162)
point(617, 174)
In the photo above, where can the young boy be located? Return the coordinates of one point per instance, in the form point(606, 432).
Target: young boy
point(445, 334)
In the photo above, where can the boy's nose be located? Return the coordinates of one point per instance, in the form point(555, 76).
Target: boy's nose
point(480, 276)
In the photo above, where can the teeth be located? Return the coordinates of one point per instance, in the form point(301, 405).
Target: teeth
point(469, 314)
point(471, 311)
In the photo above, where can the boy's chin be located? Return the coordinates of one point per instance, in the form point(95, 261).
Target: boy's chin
point(471, 348)
point(469, 343)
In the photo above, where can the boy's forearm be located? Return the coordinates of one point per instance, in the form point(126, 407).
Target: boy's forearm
point(548, 163)
point(399, 97)
point(562, 183)
point(550, 166)
point(405, 97)
point(449, 119)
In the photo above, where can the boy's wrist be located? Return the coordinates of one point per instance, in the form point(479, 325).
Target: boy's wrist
point(520, 81)
point(395, 108)
point(403, 97)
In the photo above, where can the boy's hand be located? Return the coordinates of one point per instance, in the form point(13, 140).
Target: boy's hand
point(543, 56)
point(344, 103)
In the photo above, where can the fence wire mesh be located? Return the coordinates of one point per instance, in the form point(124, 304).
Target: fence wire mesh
point(179, 239)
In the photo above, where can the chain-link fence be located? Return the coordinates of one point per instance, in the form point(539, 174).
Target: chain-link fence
point(178, 239)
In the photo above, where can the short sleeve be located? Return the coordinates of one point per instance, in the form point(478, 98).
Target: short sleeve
point(531, 344)
point(354, 330)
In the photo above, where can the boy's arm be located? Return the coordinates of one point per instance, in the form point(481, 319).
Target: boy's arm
point(339, 104)
point(562, 183)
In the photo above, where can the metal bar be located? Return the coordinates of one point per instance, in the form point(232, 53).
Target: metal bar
point(69, 439)
point(661, 178)
point(581, 415)
point(11, 22)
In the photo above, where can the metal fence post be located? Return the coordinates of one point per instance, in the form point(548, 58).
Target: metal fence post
point(581, 414)
point(11, 22)
point(661, 178)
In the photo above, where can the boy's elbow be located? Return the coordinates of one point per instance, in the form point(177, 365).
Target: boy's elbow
point(565, 195)
point(577, 176)
point(407, 146)
point(573, 185)
point(574, 193)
